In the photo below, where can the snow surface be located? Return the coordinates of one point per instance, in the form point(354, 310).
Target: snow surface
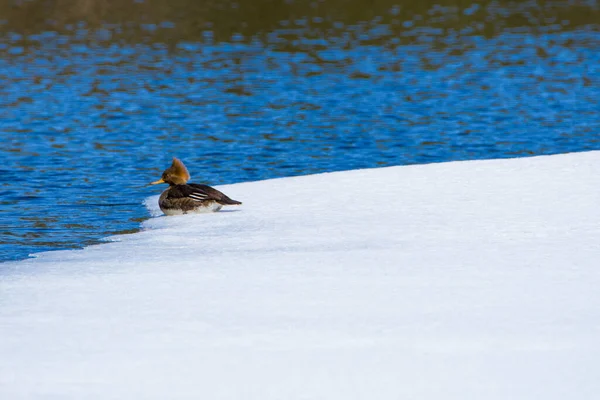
point(468, 280)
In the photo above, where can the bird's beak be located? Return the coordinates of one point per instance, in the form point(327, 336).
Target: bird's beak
point(157, 182)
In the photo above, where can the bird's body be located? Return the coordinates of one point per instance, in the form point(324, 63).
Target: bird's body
point(183, 198)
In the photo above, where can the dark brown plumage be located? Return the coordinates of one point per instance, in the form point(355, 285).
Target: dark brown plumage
point(183, 198)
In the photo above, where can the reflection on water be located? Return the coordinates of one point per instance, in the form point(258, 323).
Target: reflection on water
point(98, 96)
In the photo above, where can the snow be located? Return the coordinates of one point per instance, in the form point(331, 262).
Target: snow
point(466, 280)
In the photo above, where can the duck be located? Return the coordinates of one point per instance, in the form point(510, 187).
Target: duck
point(183, 198)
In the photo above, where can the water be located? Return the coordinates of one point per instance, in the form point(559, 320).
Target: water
point(95, 101)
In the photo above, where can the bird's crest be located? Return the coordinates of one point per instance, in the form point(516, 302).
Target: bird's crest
point(178, 169)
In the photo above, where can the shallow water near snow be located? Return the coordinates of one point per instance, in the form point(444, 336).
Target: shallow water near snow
point(91, 112)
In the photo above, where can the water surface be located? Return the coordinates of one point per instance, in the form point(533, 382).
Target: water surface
point(95, 101)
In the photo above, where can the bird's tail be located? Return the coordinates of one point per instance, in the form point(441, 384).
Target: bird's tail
point(226, 201)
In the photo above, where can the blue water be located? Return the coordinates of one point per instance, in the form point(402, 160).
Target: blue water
point(88, 121)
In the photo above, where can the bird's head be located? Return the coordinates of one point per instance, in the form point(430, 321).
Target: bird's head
point(176, 174)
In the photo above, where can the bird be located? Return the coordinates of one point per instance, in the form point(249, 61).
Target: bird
point(183, 198)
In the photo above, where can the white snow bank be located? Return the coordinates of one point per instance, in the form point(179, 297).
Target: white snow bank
point(471, 280)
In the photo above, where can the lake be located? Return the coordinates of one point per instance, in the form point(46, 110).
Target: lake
point(98, 96)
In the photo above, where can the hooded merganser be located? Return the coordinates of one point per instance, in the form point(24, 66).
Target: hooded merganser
point(182, 197)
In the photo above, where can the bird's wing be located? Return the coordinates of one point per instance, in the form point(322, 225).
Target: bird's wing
point(195, 192)
point(209, 192)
